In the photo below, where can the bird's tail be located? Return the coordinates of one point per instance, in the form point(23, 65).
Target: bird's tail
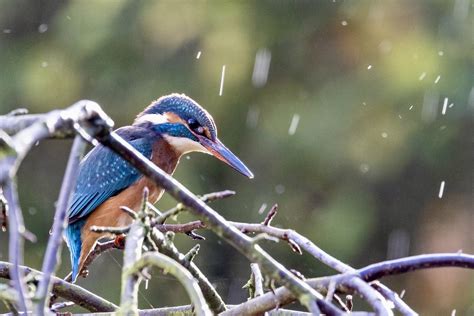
point(73, 236)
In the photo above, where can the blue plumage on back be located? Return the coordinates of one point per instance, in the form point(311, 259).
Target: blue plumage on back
point(102, 174)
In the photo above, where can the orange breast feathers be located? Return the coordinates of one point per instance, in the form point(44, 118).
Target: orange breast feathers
point(108, 214)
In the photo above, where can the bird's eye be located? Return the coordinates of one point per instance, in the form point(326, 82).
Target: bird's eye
point(194, 125)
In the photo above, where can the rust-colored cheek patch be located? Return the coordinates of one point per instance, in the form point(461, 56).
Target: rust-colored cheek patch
point(207, 132)
point(173, 118)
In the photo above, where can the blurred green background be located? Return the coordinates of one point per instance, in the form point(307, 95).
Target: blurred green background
point(345, 131)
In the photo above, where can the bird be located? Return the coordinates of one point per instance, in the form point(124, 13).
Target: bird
point(168, 128)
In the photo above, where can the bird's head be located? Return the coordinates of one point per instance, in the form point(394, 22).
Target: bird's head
point(187, 127)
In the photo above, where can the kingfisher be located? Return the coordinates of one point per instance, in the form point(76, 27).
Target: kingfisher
point(163, 132)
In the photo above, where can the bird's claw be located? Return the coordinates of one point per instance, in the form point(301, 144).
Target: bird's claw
point(119, 241)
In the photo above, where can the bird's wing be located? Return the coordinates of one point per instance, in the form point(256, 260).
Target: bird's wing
point(102, 175)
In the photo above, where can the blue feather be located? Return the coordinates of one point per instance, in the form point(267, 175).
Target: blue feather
point(102, 174)
point(73, 236)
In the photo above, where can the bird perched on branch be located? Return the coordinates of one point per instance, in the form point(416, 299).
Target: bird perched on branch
point(171, 126)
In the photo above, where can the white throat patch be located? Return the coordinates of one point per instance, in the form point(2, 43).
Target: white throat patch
point(152, 118)
point(183, 145)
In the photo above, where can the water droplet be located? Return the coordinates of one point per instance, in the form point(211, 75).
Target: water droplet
point(364, 168)
point(252, 117)
point(279, 189)
point(294, 124)
point(384, 135)
point(441, 190)
point(221, 88)
point(445, 106)
point(344, 23)
point(261, 67)
point(262, 208)
point(42, 28)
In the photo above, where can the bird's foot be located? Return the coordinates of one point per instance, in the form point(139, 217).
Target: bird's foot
point(84, 272)
point(119, 241)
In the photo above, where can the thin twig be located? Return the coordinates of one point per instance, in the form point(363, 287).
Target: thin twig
point(15, 245)
point(257, 279)
point(53, 250)
point(370, 295)
point(3, 212)
point(99, 248)
point(174, 268)
point(206, 198)
point(132, 253)
point(408, 264)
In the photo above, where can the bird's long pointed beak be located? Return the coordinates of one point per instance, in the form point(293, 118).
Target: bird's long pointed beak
point(218, 150)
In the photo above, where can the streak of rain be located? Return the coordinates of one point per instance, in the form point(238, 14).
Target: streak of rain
point(261, 67)
point(221, 88)
point(295, 120)
point(445, 106)
point(252, 117)
point(262, 208)
point(429, 108)
point(441, 190)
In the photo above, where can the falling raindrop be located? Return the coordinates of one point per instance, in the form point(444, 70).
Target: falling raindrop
point(294, 124)
point(261, 67)
point(44, 64)
point(429, 109)
point(262, 208)
point(344, 23)
point(445, 106)
point(437, 79)
point(384, 134)
point(280, 189)
point(222, 81)
point(42, 28)
point(440, 53)
point(198, 55)
point(441, 190)
point(402, 293)
point(7, 31)
point(369, 67)
point(252, 117)
point(422, 76)
point(364, 168)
